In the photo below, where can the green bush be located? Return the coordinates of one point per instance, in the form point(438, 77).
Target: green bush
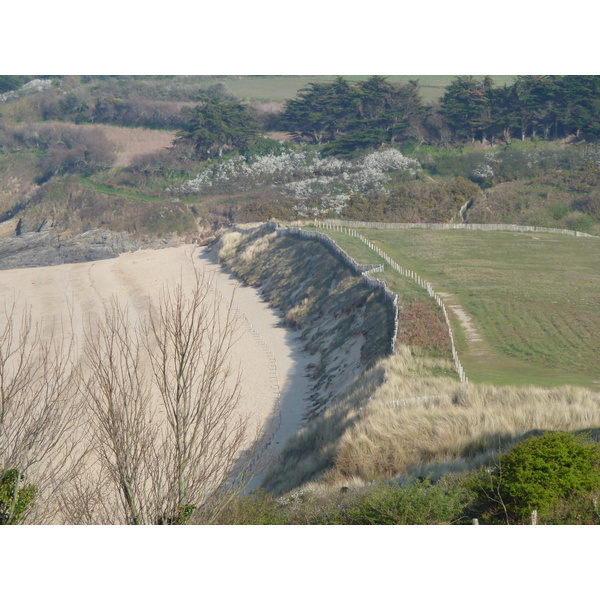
point(414, 503)
point(552, 473)
point(16, 497)
point(258, 508)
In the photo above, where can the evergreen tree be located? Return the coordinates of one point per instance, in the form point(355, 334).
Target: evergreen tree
point(11, 82)
point(218, 125)
point(465, 106)
point(320, 111)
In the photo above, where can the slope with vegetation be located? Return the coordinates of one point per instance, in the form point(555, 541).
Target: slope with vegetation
point(314, 154)
point(519, 150)
point(344, 325)
point(407, 416)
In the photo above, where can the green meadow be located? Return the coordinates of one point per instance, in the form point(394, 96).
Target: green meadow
point(533, 298)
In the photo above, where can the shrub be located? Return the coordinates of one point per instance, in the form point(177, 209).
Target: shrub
point(16, 497)
point(414, 503)
point(542, 473)
point(258, 508)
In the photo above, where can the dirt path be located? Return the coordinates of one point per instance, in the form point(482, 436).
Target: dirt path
point(471, 332)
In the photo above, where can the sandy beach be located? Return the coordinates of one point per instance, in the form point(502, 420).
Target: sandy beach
point(272, 365)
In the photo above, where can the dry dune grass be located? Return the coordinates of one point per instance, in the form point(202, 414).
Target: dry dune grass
point(429, 424)
point(228, 245)
point(400, 419)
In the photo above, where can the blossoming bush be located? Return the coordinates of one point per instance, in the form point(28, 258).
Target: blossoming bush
point(317, 184)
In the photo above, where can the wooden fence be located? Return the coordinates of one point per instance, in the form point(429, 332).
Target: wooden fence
point(261, 451)
point(363, 270)
point(473, 226)
point(410, 274)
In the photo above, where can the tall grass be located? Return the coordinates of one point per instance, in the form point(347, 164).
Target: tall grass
point(406, 417)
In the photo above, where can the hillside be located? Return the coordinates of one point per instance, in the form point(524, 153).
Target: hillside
point(405, 414)
point(123, 145)
point(397, 382)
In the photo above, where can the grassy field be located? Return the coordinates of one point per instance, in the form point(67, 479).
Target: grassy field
point(532, 298)
point(282, 87)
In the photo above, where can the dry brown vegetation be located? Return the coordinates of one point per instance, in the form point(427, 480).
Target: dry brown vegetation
point(422, 325)
point(132, 142)
point(419, 423)
point(400, 418)
point(408, 414)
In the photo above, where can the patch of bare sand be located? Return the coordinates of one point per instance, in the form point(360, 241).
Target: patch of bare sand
point(271, 362)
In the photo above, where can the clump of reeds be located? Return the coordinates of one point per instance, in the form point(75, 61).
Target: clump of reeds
point(259, 245)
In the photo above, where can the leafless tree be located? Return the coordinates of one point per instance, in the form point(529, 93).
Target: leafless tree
point(164, 400)
point(119, 397)
point(40, 424)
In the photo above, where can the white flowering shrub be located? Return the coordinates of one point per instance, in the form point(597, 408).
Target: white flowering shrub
point(390, 160)
point(35, 85)
point(318, 184)
point(38, 85)
point(487, 168)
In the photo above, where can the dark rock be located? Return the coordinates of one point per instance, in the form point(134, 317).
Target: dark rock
point(48, 247)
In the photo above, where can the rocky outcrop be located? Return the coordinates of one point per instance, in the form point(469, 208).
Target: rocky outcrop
point(48, 246)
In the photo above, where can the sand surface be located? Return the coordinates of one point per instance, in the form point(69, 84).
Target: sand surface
point(272, 365)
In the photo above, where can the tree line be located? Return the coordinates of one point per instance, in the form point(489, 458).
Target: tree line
point(344, 118)
point(546, 107)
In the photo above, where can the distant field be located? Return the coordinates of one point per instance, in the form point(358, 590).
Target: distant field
point(281, 87)
point(532, 298)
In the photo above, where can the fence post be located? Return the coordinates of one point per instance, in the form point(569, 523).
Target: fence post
point(534, 517)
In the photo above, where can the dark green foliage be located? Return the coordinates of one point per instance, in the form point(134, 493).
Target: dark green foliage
point(546, 107)
point(262, 146)
point(217, 125)
point(11, 82)
point(552, 473)
point(16, 497)
point(412, 503)
point(416, 503)
point(466, 108)
point(352, 117)
point(319, 110)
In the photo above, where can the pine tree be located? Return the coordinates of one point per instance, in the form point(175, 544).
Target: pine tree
point(218, 125)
